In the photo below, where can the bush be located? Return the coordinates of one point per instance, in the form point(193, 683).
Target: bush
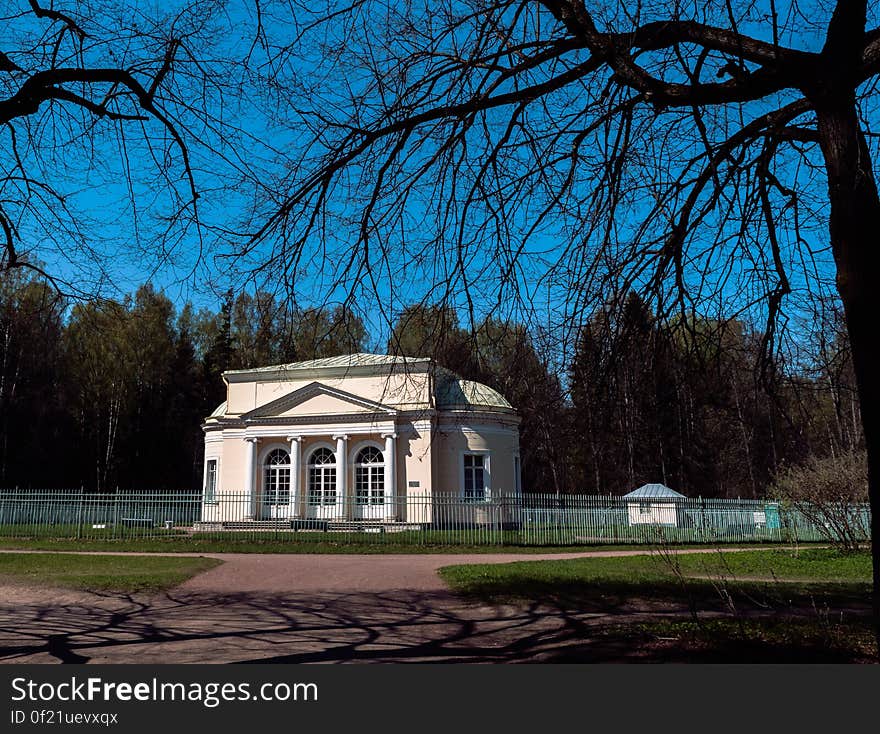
point(832, 493)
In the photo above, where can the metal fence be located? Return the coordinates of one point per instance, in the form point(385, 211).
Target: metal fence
point(441, 519)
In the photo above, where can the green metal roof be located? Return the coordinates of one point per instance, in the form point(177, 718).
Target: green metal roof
point(359, 359)
point(654, 491)
point(453, 392)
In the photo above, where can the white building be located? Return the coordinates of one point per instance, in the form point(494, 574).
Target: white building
point(653, 504)
point(362, 437)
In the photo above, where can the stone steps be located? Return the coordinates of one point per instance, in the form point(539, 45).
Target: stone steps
point(287, 525)
point(257, 525)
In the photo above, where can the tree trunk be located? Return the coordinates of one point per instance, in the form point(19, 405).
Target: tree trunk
point(854, 226)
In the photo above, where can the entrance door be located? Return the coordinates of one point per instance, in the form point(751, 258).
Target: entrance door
point(276, 485)
point(321, 497)
point(369, 484)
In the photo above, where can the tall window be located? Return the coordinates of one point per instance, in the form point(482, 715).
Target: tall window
point(276, 478)
point(322, 477)
point(475, 466)
point(517, 475)
point(211, 480)
point(369, 477)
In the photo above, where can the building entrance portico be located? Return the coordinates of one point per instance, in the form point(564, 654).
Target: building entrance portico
point(331, 476)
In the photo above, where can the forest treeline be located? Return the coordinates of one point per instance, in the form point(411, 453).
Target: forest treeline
point(113, 393)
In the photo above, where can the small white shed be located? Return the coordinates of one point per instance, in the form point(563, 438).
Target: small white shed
point(653, 504)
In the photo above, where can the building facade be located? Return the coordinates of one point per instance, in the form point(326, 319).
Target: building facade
point(362, 437)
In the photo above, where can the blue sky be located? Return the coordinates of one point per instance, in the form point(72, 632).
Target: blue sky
point(125, 184)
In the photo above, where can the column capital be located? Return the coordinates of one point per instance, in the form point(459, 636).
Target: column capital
point(298, 439)
point(251, 439)
point(337, 436)
point(389, 435)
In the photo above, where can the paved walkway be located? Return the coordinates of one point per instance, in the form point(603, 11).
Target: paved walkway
point(304, 608)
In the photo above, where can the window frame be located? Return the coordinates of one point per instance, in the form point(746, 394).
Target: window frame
point(210, 497)
point(324, 471)
point(486, 469)
point(276, 470)
point(374, 497)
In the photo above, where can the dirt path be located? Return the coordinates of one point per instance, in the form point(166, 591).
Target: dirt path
point(305, 608)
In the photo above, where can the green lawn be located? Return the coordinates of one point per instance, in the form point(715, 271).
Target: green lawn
point(813, 571)
point(775, 639)
point(270, 543)
point(810, 564)
point(101, 573)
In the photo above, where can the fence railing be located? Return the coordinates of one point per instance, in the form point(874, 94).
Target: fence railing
point(438, 519)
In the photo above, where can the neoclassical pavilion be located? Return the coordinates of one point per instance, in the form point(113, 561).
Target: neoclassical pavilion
point(362, 437)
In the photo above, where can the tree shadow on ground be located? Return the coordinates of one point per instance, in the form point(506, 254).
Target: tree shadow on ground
point(394, 626)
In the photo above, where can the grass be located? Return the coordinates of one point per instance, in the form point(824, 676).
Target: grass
point(528, 536)
point(756, 640)
point(125, 574)
point(310, 543)
point(812, 564)
point(749, 606)
point(590, 580)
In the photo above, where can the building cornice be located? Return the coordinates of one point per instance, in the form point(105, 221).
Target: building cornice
point(305, 420)
point(474, 415)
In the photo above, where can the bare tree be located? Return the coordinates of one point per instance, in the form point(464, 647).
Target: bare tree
point(718, 154)
point(502, 154)
point(831, 494)
point(117, 127)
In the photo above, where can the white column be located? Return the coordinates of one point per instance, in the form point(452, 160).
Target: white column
point(341, 475)
point(249, 479)
point(295, 468)
point(390, 473)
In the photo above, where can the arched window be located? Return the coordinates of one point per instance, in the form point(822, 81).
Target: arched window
point(276, 478)
point(369, 477)
point(322, 477)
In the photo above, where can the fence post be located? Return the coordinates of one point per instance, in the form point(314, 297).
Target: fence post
point(703, 533)
point(115, 511)
point(79, 513)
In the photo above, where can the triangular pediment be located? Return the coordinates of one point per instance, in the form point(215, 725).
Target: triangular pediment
point(318, 399)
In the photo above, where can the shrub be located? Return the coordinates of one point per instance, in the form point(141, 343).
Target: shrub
point(832, 493)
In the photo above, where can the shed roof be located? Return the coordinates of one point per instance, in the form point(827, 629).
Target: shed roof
point(651, 491)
